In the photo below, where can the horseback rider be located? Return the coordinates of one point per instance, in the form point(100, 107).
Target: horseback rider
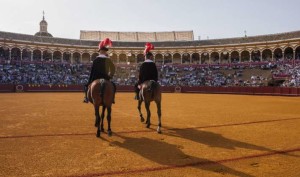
point(102, 68)
point(148, 69)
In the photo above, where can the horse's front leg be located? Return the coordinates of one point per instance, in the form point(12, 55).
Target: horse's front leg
point(97, 124)
point(109, 132)
point(147, 105)
point(139, 108)
point(158, 104)
point(102, 118)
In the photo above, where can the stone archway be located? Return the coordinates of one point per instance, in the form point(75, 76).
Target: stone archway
point(195, 58)
point(278, 54)
point(235, 57)
point(215, 57)
point(37, 55)
point(245, 56)
point(76, 57)
point(159, 59)
point(86, 58)
point(267, 55)
point(123, 58)
point(16, 54)
point(57, 56)
point(177, 58)
point(288, 53)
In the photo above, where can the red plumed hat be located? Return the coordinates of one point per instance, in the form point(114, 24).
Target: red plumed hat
point(148, 48)
point(103, 45)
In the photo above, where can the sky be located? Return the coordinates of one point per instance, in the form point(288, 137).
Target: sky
point(207, 18)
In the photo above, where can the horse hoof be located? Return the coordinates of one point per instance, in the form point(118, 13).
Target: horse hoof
point(142, 119)
point(158, 130)
point(102, 130)
point(148, 126)
point(109, 133)
point(98, 134)
point(96, 125)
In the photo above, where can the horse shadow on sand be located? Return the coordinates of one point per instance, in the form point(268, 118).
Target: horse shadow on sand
point(171, 155)
point(215, 140)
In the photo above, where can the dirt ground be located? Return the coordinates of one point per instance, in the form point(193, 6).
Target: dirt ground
point(53, 134)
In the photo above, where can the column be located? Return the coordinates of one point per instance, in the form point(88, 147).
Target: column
point(9, 54)
point(229, 59)
point(191, 57)
point(42, 59)
point(261, 55)
point(80, 57)
point(240, 57)
point(209, 59)
point(31, 55)
point(200, 62)
point(21, 55)
point(52, 56)
point(71, 58)
point(272, 55)
point(250, 56)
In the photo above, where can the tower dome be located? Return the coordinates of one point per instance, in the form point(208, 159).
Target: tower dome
point(43, 28)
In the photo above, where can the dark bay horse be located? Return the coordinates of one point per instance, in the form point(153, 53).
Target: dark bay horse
point(150, 91)
point(106, 102)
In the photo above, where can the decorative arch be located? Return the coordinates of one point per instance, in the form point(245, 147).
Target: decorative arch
point(159, 59)
point(131, 58)
point(288, 53)
point(235, 57)
point(225, 57)
point(195, 58)
point(47, 55)
point(256, 55)
point(114, 58)
point(168, 58)
point(177, 58)
point(122, 58)
point(267, 55)
point(26, 54)
point(94, 56)
point(215, 57)
point(140, 58)
point(245, 56)
point(4, 53)
point(76, 57)
point(57, 56)
point(205, 58)
point(278, 54)
point(297, 55)
point(37, 55)
point(186, 58)
point(86, 58)
point(16, 53)
point(67, 57)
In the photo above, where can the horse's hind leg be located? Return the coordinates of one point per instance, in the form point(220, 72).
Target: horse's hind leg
point(158, 104)
point(139, 108)
point(109, 132)
point(97, 120)
point(147, 105)
point(102, 118)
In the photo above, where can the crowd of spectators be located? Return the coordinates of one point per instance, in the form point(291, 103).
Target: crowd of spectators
point(169, 75)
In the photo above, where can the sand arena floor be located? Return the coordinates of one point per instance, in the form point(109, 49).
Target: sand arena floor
point(53, 134)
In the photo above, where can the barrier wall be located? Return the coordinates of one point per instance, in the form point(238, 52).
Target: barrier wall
point(170, 89)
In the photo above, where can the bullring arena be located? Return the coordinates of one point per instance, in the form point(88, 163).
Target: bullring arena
point(203, 135)
point(235, 111)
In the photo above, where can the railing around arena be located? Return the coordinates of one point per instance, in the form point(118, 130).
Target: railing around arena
point(283, 91)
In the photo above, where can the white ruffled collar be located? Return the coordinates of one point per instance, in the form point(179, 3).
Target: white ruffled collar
point(103, 56)
point(148, 61)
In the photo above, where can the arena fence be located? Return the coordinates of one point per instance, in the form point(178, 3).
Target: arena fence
point(280, 91)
